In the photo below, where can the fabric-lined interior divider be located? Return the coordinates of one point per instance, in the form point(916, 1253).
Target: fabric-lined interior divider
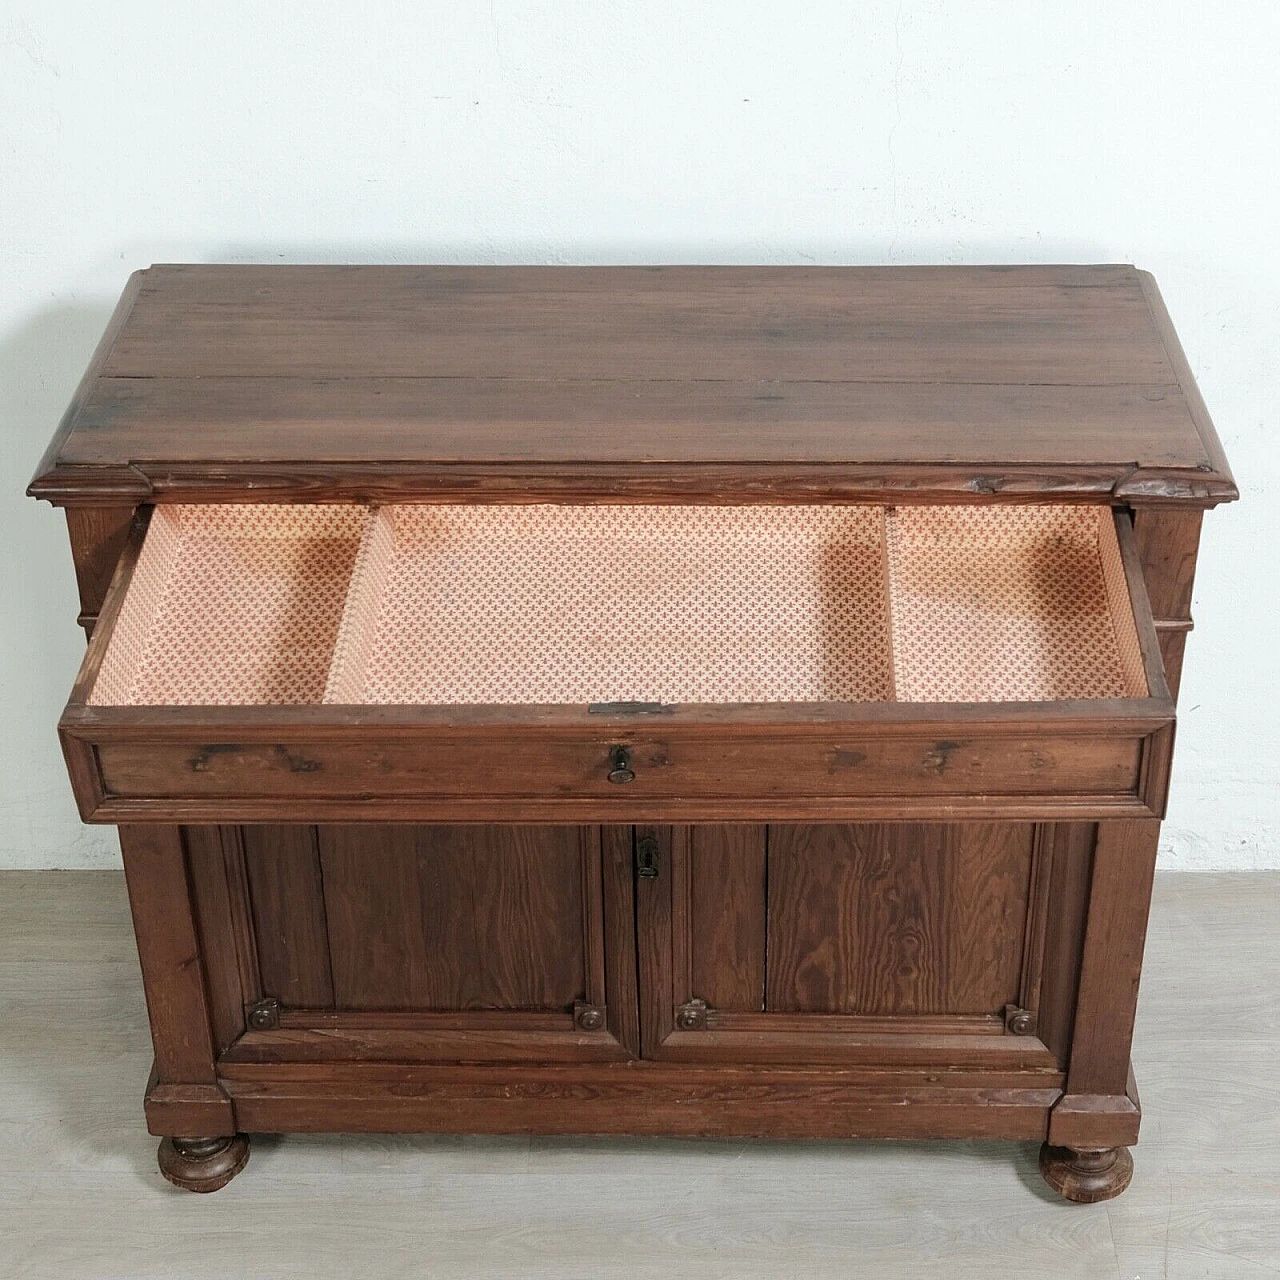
point(444, 604)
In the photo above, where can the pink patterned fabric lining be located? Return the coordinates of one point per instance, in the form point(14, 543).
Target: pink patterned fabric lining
point(548, 604)
point(276, 604)
point(1010, 604)
point(232, 606)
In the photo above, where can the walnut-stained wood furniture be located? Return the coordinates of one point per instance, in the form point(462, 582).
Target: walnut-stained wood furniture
point(641, 700)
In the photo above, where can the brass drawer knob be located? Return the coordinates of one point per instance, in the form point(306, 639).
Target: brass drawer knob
point(620, 769)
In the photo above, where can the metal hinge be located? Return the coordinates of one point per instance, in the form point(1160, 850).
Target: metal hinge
point(1019, 1021)
point(692, 1016)
point(590, 1017)
point(647, 858)
point(264, 1015)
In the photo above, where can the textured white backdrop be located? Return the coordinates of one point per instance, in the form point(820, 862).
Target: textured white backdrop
point(609, 131)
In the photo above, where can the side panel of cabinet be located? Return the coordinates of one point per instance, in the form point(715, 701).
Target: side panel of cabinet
point(871, 943)
point(1168, 542)
point(431, 943)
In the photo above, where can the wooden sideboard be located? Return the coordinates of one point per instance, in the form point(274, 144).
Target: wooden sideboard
point(684, 700)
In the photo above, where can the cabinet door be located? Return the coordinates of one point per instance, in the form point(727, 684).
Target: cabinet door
point(431, 943)
point(892, 943)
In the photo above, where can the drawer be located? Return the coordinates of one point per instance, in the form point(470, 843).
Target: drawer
point(621, 663)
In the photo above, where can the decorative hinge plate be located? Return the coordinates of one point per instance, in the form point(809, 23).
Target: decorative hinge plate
point(1019, 1021)
point(590, 1017)
point(692, 1016)
point(263, 1015)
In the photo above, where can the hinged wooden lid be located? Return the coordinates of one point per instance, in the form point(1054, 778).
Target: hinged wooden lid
point(637, 383)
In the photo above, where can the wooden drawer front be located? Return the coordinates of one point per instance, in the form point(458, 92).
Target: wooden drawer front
point(338, 725)
point(980, 768)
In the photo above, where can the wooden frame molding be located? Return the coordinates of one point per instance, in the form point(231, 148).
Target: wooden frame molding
point(185, 1089)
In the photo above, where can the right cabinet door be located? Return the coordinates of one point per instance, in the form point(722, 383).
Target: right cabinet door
point(937, 945)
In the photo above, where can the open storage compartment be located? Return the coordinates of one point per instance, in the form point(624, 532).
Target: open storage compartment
point(451, 660)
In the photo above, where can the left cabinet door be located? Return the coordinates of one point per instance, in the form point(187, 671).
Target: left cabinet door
point(422, 943)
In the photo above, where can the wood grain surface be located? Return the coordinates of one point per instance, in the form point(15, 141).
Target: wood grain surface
point(287, 898)
point(632, 383)
point(456, 918)
point(728, 911)
point(897, 919)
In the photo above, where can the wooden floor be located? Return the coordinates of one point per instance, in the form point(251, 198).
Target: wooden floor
point(80, 1196)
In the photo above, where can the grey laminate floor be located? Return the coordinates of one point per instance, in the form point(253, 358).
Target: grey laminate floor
point(80, 1196)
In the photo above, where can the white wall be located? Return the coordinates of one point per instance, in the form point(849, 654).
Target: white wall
point(612, 131)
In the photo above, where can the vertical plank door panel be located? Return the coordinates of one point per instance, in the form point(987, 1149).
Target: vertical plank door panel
point(287, 894)
point(456, 917)
point(212, 900)
point(897, 918)
point(1064, 935)
point(727, 916)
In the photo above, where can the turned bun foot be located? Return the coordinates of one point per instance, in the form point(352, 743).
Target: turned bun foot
point(1086, 1176)
point(202, 1164)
